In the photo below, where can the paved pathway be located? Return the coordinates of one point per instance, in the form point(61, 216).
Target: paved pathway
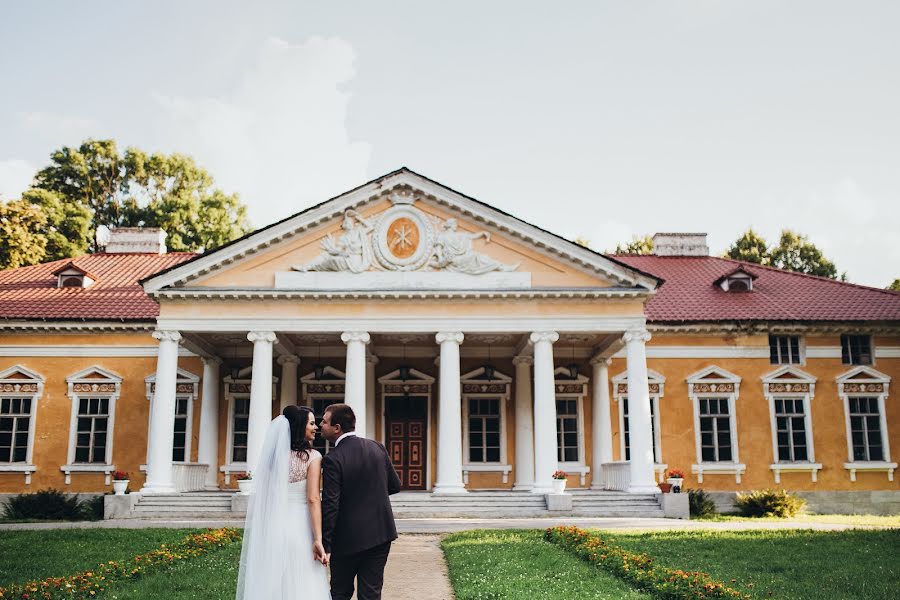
point(416, 570)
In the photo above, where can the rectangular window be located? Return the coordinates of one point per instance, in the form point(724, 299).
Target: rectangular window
point(856, 349)
point(567, 430)
point(484, 430)
point(179, 443)
point(15, 418)
point(318, 406)
point(92, 423)
point(239, 430)
point(865, 429)
point(715, 430)
point(784, 349)
point(790, 422)
point(626, 427)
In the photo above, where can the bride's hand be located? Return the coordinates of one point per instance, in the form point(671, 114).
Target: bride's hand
point(319, 553)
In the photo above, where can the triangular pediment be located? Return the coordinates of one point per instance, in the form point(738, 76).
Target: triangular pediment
point(863, 374)
point(789, 374)
point(713, 375)
point(17, 374)
point(97, 374)
point(402, 231)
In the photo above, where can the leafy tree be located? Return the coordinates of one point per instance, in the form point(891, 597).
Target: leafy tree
point(637, 245)
point(750, 247)
point(21, 240)
point(895, 285)
point(68, 224)
point(135, 189)
point(796, 253)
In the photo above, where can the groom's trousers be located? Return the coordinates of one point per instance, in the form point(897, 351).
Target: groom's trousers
point(367, 567)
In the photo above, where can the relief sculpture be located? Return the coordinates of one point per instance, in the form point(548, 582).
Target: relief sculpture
point(350, 252)
point(453, 252)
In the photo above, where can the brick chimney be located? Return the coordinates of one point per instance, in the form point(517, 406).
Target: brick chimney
point(141, 240)
point(680, 244)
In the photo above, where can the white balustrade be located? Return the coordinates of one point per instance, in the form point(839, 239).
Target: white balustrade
point(616, 475)
point(189, 477)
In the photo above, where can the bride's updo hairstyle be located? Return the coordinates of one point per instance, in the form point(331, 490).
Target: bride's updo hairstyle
point(298, 418)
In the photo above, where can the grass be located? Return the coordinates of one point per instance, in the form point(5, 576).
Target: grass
point(854, 520)
point(29, 555)
point(520, 565)
point(863, 564)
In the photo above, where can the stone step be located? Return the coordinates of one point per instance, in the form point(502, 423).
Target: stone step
point(192, 515)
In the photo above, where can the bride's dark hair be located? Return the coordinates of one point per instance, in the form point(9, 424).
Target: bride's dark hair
point(298, 418)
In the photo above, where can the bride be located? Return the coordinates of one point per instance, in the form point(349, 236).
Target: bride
point(282, 548)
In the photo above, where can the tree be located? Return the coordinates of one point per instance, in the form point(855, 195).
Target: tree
point(135, 189)
point(895, 285)
point(21, 240)
point(68, 224)
point(750, 247)
point(796, 253)
point(637, 245)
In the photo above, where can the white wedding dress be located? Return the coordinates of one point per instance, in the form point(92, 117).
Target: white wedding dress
point(277, 554)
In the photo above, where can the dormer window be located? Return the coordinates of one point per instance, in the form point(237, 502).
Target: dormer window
point(71, 276)
point(737, 281)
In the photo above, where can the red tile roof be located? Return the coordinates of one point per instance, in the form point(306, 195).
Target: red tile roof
point(30, 292)
point(689, 294)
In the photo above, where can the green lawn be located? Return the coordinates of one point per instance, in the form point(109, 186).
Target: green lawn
point(855, 520)
point(520, 565)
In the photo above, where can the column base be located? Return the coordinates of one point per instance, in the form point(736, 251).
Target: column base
point(448, 489)
point(647, 488)
point(538, 488)
point(598, 487)
point(522, 487)
point(157, 489)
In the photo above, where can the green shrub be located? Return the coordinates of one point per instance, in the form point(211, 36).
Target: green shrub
point(701, 504)
point(49, 504)
point(769, 503)
point(92, 508)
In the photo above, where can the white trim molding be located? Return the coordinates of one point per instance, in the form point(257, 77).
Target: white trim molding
point(475, 386)
point(866, 382)
point(716, 382)
point(20, 382)
point(94, 382)
point(85, 350)
point(791, 383)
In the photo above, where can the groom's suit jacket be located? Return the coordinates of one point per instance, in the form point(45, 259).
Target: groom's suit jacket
point(358, 479)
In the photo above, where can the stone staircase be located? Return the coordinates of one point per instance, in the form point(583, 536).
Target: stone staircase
point(186, 505)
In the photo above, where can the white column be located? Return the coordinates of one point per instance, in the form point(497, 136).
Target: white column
point(524, 424)
point(371, 361)
point(208, 448)
point(260, 394)
point(545, 446)
point(162, 418)
point(601, 438)
point(639, 430)
point(355, 394)
point(289, 364)
point(449, 460)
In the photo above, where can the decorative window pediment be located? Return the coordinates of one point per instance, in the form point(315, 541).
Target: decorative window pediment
point(18, 379)
point(476, 382)
point(406, 381)
point(863, 380)
point(713, 380)
point(789, 380)
point(656, 381)
point(185, 383)
point(94, 380)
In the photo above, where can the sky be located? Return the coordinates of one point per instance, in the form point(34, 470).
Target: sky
point(596, 119)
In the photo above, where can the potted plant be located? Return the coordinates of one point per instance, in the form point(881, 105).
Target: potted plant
point(559, 482)
point(245, 482)
point(120, 482)
point(676, 478)
point(665, 487)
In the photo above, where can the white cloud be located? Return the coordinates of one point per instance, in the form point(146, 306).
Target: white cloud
point(279, 138)
point(62, 129)
point(15, 177)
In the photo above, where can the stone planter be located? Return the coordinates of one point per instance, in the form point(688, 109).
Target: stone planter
point(559, 486)
point(676, 482)
point(119, 486)
point(665, 488)
point(245, 486)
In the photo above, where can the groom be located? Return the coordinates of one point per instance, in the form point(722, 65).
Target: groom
point(357, 520)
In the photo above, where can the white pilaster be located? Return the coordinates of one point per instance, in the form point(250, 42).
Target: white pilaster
point(260, 394)
point(449, 460)
point(639, 428)
point(208, 447)
point(355, 394)
point(601, 438)
point(371, 361)
point(545, 445)
point(289, 364)
point(162, 416)
point(524, 425)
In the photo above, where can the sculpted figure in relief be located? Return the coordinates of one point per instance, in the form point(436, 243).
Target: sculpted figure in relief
point(453, 252)
point(350, 252)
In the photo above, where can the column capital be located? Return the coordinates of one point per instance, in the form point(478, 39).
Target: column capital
point(167, 335)
point(449, 336)
point(262, 336)
point(638, 334)
point(288, 359)
point(597, 360)
point(355, 336)
point(212, 360)
point(544, 336)
point(523, 360)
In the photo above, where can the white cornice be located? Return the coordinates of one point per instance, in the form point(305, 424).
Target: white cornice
point(87, 350)
point(509, 294)
point(28, 326)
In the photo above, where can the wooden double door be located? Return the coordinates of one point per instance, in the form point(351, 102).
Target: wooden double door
point(406, 421)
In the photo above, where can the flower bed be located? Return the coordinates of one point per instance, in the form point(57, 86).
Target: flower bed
point(638, 569)
point(90, 583)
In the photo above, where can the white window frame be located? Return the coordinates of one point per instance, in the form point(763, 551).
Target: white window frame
point(716, 382)
point(187, 386)
point(391, 387)
point(93, 382)
point(236, 388)
point(19, 382)
point(474, 386)
point(789, 382)
point(864, 381)
point(801, 349)
point(657, 384)
point(332, 387)
point(567, 388)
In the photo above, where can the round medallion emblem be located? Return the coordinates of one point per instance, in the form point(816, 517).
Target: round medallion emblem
point(403, 237)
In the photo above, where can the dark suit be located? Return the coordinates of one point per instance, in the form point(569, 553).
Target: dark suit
point(357, 520)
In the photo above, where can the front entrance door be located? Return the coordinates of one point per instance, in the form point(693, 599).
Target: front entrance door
point(406, 418)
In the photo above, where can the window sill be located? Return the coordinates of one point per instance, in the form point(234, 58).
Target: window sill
point(25, 468)
point(486, 468)
point(811, 468)
point(737, 469)
point(579, 468)
point(887, 467)
point(105, 469)
point(232, 468)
